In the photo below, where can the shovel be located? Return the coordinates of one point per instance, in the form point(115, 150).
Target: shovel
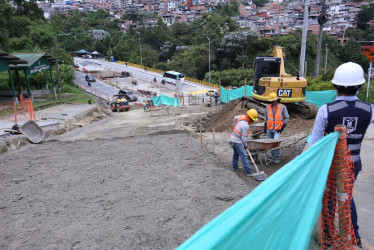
point(260, 176)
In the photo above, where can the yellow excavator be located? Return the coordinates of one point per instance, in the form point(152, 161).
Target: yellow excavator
point(270, 76)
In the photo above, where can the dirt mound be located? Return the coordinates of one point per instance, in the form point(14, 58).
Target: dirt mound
point(222, 121)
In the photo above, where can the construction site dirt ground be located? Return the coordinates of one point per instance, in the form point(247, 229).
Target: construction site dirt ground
point(132, 180)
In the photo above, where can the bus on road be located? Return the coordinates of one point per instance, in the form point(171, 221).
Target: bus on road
point(172, 76)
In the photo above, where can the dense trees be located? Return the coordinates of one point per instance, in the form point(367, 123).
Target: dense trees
point(181, 47)
point(260, 3)
point(237, 45)
point(228, 9)
point(364, 16)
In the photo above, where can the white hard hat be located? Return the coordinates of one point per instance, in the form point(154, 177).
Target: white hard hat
point(349, 74)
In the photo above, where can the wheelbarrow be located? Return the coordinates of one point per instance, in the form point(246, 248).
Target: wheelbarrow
point(32, 131)
point(261, 146)
point(257, 129)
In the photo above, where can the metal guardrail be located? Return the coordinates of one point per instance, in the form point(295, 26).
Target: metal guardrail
point(212, 85)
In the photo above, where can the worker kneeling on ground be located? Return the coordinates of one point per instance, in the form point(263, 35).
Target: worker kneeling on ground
point(276, 119)
point(238, 140)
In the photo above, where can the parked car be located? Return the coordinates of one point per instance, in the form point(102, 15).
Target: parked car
point(130, 96)
point(90, 78)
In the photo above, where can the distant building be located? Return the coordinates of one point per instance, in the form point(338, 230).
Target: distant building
point(189, 4)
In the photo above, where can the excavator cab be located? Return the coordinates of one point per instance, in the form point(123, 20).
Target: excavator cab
point(265, 67)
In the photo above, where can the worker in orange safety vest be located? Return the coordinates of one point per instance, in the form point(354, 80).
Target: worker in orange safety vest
point(238, 140)
point(276, 119)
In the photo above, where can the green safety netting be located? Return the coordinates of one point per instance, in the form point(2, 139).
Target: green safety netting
point(317, 97)
point(320, 98)
point(232, 94)
point(280, 213)
point(166, 100)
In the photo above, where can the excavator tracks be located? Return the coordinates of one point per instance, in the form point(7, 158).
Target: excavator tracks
point(305, 110)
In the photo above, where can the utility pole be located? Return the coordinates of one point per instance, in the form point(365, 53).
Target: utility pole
point(326, 57)
point(369, 76)
point(140, 48)
point(343, 35)
point(57, 70)
point(209, 57)
point(303, 40)
point(321, 21)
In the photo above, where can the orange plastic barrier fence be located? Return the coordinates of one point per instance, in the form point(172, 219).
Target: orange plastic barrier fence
point(336, 224)
point(21, 100)
point(14, 111)
point(31, 110)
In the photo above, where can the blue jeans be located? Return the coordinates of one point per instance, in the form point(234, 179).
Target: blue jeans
point(274, 135)
point(240, 151)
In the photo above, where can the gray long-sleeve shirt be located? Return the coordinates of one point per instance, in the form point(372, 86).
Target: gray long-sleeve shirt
point(285, 114)
point(243, 128)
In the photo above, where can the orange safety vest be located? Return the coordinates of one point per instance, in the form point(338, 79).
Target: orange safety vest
point(236, 132)
point(275, 121)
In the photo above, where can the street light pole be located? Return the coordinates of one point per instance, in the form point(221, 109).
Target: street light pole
point(57, 70)
point(140, 48)
point(209, 57)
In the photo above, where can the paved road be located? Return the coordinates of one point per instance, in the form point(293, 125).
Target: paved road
point(141, 74)
point(105, 90)
point(98, 87)
point(363, 191)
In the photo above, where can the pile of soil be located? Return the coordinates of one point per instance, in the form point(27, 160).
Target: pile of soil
point(222, 121)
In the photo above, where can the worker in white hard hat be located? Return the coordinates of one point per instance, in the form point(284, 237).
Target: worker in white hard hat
point(276, 119)
point(238, 140)
point(348, 110)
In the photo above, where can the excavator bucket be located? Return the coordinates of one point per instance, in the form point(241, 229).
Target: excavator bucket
point(32, 131)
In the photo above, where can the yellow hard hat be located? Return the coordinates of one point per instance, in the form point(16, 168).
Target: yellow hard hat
point(273, 97)
point(252, 113)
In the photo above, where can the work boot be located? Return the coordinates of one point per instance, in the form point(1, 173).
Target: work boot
point(277, 161)
point(250, 175)
point(358, 242)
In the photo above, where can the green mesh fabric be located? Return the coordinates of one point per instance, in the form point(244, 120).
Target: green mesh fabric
point(280, 213)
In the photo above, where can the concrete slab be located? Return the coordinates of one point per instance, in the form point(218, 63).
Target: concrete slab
point(363, 192)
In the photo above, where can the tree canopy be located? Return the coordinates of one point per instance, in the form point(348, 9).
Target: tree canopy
point(181, 47)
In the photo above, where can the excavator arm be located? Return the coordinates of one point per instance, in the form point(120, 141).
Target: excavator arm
point(278, 51)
